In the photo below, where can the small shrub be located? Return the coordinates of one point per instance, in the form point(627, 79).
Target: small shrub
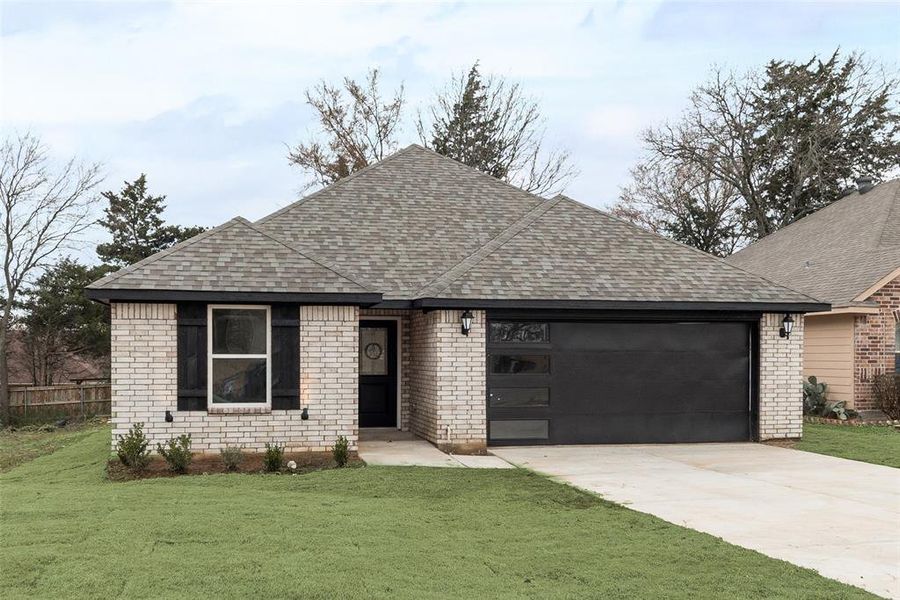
point(814, 396)
point(232, 456)
point(274, 457)
point(132, 448)
point(341, 451)
point(887, 394)
point(177, 453)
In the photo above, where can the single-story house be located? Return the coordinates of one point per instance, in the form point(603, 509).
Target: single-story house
point(423, 295)
point(848, 255)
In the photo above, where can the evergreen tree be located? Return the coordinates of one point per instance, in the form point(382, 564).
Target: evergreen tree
point(491, 125)
point(468, 131)
point(138, 230)
point(59, 320)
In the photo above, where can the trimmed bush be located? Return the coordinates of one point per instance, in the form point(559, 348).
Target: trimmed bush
point(341, 451)
point(232, 456)
point(131, 448)
point(177, 453)
point(273, 460)
point(887, 394)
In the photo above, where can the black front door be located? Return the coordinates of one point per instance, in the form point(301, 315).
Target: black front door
point(377, 374)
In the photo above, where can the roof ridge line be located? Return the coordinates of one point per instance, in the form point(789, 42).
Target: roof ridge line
point(314, 259)
point(446, 279)
point(705, 255)
point(103, 281)
point(477, 171)
point(891, 209)
point(334, 184)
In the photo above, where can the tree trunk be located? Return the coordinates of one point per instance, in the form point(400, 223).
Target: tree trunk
point(4, 371)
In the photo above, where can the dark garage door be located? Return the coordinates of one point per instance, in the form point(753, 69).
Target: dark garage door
point(618, 382)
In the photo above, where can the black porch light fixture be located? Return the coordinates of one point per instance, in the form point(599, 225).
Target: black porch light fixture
point(466, 322)
point(787, 326)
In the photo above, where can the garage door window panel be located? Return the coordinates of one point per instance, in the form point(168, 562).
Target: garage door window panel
point(513, 364)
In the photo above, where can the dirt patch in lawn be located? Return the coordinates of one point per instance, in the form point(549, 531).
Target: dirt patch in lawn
point(210, 464)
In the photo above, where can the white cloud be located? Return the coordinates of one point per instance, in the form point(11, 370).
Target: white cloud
point(203, 95)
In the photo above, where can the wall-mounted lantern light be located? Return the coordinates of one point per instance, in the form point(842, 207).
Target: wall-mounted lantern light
point(466, 322)
point(169, 417)
point(787, 326)
point(304, 414)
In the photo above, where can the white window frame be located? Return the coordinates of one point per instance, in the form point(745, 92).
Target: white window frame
point(210, 356)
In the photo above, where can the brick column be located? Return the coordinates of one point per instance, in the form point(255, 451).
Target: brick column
point(780, 379)
point(143, 366)
point(448, 381)
point(329, 371)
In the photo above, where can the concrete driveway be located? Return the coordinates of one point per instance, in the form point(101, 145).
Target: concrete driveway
point(839, 517)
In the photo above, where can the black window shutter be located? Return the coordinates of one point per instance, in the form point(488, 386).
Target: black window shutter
point(286, 356)
point(191, 356)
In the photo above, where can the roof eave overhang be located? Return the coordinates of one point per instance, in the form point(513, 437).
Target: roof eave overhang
point(644, 305)
point(106, 296)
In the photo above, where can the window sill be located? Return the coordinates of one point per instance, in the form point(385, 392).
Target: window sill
point(239, 410)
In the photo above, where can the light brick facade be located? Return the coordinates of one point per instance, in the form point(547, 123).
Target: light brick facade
point(441, 385)
point(874, 343)
point(780, 379)
point(144, 383)
point(448, 380)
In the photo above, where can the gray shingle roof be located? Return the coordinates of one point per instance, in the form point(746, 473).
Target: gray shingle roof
point(418, 225)
point(234, 257)
point(836, 253)
point(402, 221)
point(575, 252)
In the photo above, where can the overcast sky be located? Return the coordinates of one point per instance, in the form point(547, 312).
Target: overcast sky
point(204, 96)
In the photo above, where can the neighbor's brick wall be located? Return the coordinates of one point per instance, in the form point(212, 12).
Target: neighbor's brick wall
point(447, 382)
point(144, 371)
point(403, 330)
point(873, 344)
point(780, 379)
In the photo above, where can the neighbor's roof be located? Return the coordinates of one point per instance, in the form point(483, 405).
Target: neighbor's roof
point(418, 226)
point(837, 253)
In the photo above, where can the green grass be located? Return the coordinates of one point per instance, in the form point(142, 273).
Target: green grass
point(17, 447)
point(66, 531)
point(878, 445)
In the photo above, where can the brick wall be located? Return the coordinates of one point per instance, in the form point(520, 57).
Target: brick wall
point(780, 379)
point(403, 318)
point(873, 344)
point(144, 370)
point(447, 383)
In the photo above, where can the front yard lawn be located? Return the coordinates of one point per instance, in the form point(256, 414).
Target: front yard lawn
point(66, 531)
point(872, 444)
point(22, 445)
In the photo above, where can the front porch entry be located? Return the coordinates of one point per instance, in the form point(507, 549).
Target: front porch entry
point(378, 369)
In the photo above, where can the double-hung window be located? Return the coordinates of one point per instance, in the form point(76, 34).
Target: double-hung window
point(240, 356)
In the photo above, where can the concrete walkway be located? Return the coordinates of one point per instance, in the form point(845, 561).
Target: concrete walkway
point(838, 517)
point(390, 447)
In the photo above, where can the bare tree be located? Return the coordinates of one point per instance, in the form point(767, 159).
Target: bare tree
point(358, 126)
point(492, 125)
point(787, 138)
point(42, 211)
point(685, 203)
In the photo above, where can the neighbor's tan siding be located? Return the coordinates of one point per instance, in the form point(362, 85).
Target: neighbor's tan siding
point(828, 354)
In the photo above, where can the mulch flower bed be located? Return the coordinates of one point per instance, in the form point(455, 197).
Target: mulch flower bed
point(210, 464)
point(850, 422)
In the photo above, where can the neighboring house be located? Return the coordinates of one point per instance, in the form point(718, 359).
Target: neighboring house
point(847, 254)
point(423, 295)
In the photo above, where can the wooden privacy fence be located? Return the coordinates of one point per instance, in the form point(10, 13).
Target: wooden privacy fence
point(49, 402)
